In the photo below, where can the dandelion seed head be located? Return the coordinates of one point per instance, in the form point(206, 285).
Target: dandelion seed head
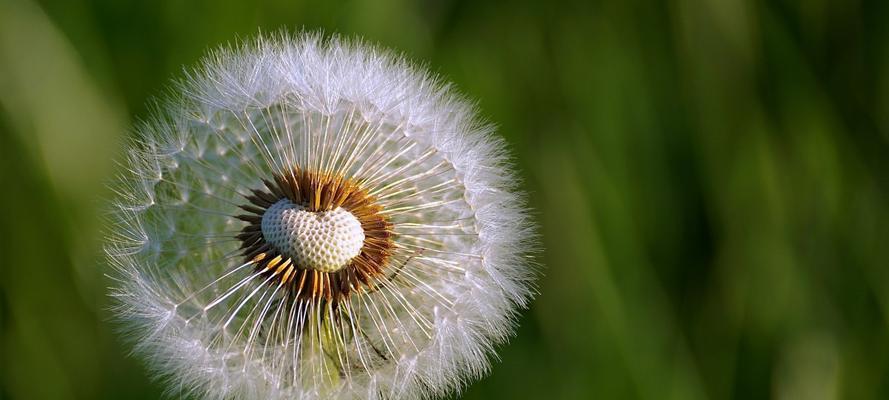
point(315, 218)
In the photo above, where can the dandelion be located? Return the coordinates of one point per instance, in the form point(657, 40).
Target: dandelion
point(316, 218)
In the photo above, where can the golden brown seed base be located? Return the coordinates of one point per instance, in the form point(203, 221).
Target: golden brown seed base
point(318, 192)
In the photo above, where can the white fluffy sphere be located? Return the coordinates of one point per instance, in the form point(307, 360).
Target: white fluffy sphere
point(316, 218)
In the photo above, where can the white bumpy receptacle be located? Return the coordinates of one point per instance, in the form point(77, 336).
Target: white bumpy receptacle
point(325, 240)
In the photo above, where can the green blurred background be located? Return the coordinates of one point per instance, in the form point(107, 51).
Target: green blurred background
point(711, 179)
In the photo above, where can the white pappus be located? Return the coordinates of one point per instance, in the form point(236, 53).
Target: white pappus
point(313, 217)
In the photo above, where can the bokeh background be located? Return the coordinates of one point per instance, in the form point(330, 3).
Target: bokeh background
point(711, 178)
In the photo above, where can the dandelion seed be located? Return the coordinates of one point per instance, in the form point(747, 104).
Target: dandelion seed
point(316, 218)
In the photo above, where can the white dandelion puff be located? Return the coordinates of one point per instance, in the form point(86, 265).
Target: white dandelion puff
point(316, 218)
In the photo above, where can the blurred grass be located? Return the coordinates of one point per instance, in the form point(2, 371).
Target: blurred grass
point(711, 178)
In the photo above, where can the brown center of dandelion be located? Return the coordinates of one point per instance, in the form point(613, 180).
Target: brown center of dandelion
point(320, 235)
